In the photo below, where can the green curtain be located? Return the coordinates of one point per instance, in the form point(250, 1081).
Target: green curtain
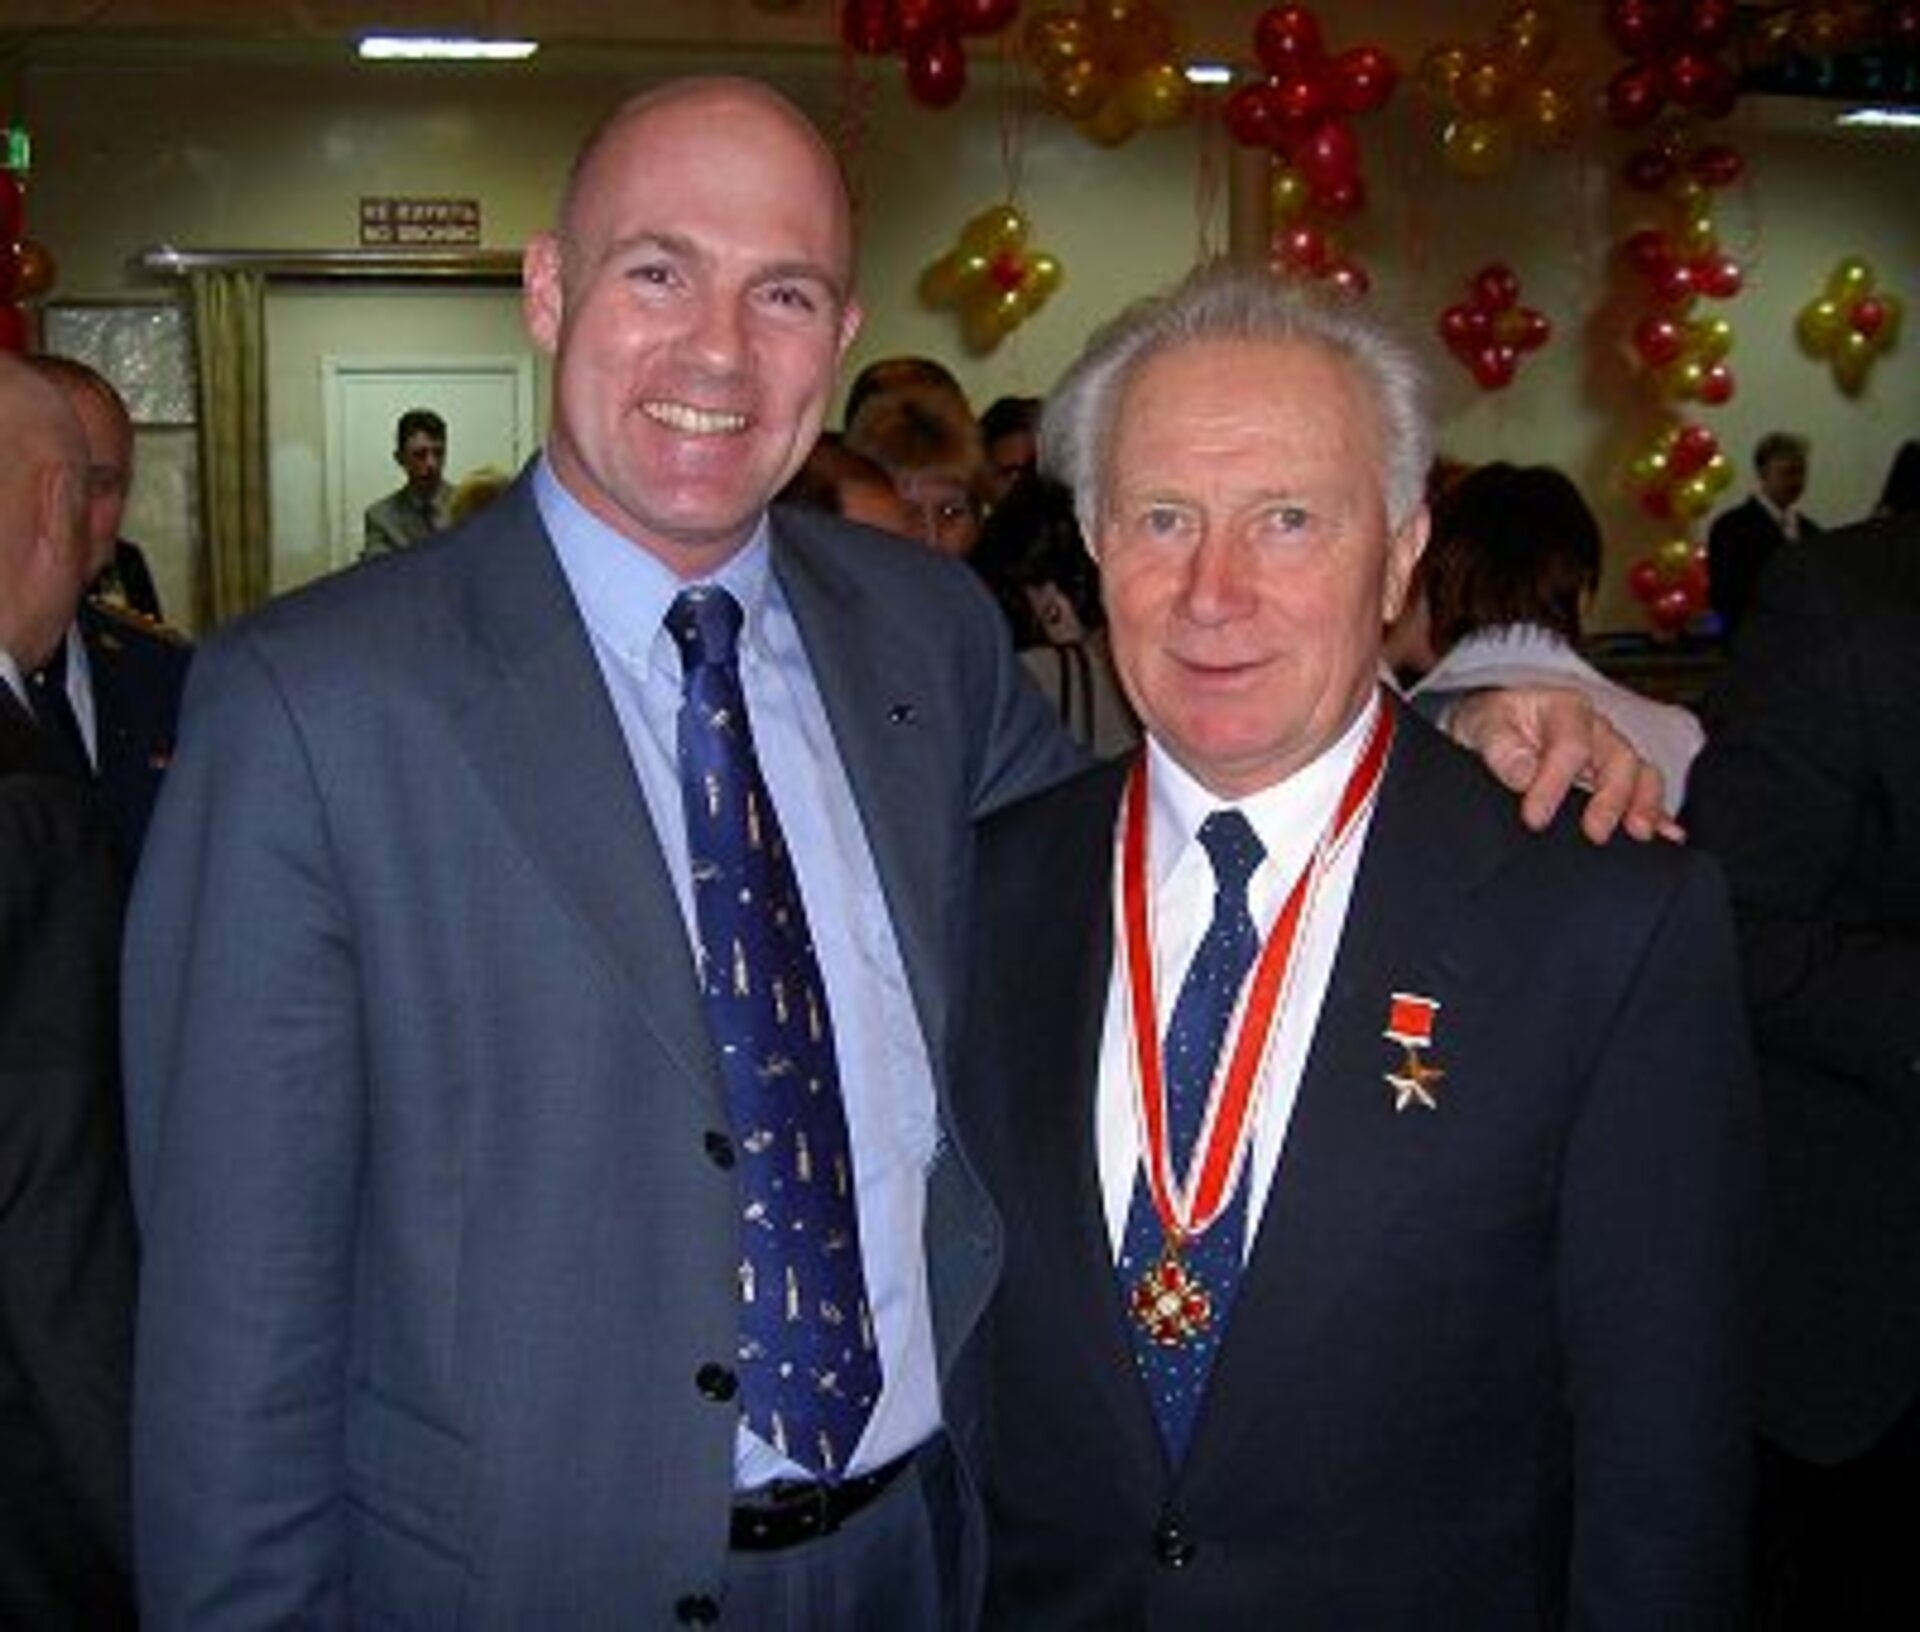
point(230, 347)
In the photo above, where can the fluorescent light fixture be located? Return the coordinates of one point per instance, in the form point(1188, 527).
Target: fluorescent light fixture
point(1882, 118)
point(1209, 73)
point(427, 48)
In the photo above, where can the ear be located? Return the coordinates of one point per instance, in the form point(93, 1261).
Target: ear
point(1404, 549)
point(542, 298)
point(851, 317)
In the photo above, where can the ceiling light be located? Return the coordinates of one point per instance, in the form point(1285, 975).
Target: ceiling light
point(1882, 118)
point(1209, 73)
point(426, 48)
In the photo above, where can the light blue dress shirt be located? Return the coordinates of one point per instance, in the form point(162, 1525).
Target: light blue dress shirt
point(623, 593)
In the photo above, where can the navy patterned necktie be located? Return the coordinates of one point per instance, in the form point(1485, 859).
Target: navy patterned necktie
point(809, 1369)
point(1176, 1373)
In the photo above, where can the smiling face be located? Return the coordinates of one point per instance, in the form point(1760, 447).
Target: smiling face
point(697, 305)
point(1245, 554)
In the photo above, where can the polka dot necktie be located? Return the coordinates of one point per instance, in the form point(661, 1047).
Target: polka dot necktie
point(809, 1369)
point(1176, 1374)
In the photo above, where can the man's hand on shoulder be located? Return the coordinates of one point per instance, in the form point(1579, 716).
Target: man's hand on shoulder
point(1542, 741)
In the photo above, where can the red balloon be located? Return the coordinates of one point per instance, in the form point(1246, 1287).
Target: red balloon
point(1693, 449)
point(1643, 580)
point(1363, 78)
point(1341, 197)
point(1716, 385)
point(1709, 23)
point(1304, 248)
point(1493, 367)
point(1463, 328)
point(1536, 329)
point(1671, 609)
point(1300, 102)
point(1648, 251)
point(1634, 96)
point(937, 72)
point(982, 16)
point(12, 206)
point(1287, 40)
point(920, 21)
point(1328, 161)
point(1253, 118)
point(1675, 284)
point(1868, 316)
point(1658, 341)
point(1718, 277)
point(1641, 28)
point(13, 328)
point(1701, 82)
point(1347, 278)
point(1495, 287)
point(1716, 166)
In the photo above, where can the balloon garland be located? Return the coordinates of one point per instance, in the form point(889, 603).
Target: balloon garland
point(1113, 67)
point(1850, 324)
point(1490, 331)
point(1499, 95)
point(929, 35)
point(26, 267)
point(992, 277)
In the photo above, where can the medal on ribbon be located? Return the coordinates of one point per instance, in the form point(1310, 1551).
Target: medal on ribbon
point(1169, 1302)
point(1410, 1024)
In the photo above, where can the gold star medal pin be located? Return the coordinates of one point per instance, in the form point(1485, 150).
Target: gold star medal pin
point(1410, 1024)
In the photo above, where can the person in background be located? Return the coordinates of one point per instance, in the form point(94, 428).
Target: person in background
point(1743, 540)
point(931, 452)
point(1808, 794)
point(119, 675)
point(66, 1227)
point(418, 509)
point(1380, 1180)
point(1033, 556)
point(843, 483)
point(1514, 556)
point(1007, 429)
point(909, 370)
point(1900, 492)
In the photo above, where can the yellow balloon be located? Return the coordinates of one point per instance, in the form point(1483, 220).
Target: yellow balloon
point(1057, 39)
point(1697, 236)
point(1287, 193)
point(1547, 114)
point(1673, 557)
point(940, 282)
point(1717, 473)
point(1711, 338)
point(1043, 276)
point(1440, 70)
point(1852, 361)
point(1080, 89)
point(1527, 36)
point(1111, 123)
point(1852, 278)
point(1895, 310)
point(1476, 147)
point(1818, 325)
point(1485, 87)
point(1157, 95)
point(994, 229)
point(1648, 470)
point(1691, 499)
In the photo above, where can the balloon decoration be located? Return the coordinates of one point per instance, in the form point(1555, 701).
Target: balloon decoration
point(929, 35)
point(992, 277)
point(1677, 480)
point(1850, 323)
point(1500, 94)
point(1827, 28)
point(1113, 67)
point(26, 269)
point(1306, 253)
point(1674, 59)
point(1490, 331)
point(1300, 111)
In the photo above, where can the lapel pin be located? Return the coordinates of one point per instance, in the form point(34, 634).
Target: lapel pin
point(903, 714)
point(1410, 1024)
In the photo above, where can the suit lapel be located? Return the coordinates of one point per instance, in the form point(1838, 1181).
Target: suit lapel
point(534, 719)
point(1339, 1186)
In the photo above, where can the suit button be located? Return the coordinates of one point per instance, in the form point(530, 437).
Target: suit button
point(1173, 1546)
point(697, 1609)
point(719, 1150)
point(716, 1382)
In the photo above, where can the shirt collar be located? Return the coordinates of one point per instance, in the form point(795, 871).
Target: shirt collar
point(623, 589)
point(1289, 817)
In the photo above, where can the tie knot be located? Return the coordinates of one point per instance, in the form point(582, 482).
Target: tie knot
point(1234, 849)
point(705, 622)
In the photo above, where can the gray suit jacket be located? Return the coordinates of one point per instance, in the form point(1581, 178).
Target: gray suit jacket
point(421, 1091)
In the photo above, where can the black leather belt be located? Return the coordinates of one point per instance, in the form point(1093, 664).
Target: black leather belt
point(791, 1511)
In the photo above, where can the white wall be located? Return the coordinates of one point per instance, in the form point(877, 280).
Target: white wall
point(128, 157)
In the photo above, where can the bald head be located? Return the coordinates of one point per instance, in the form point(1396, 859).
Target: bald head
point(43, 459)
point(108, 428)
point(713, 113)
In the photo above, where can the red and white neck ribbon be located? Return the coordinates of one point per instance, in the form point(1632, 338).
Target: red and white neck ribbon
point(1188, 1203)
